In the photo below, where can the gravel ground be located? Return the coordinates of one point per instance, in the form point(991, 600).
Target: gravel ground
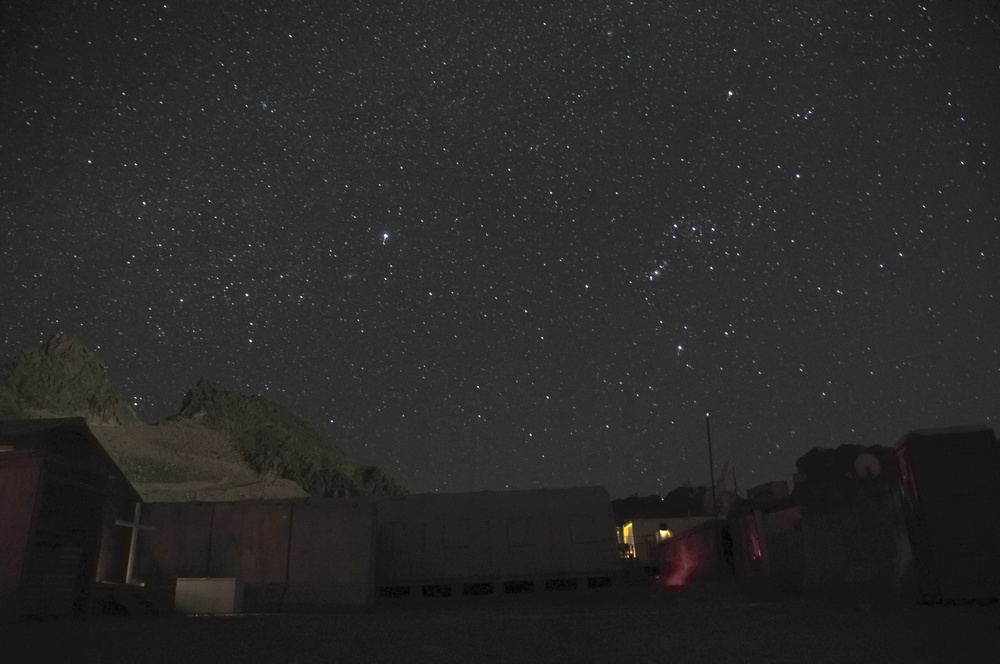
point(701, 625)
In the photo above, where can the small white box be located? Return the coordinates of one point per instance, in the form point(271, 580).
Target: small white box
point(208, 595)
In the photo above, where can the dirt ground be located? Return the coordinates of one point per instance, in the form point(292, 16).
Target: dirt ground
point(704, 625)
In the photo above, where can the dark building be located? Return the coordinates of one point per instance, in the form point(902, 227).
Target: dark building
point(948, 479)
point(927, 527)
point(60, 498)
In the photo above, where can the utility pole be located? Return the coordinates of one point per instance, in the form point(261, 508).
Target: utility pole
point(711, 468)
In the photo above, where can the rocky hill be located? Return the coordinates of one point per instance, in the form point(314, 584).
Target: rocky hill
point(272, 439)
point(64, 377)
point(222, 445)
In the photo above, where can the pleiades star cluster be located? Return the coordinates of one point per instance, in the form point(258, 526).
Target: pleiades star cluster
point(518, 244)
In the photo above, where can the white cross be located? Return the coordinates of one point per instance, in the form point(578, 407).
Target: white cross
point(136, 527)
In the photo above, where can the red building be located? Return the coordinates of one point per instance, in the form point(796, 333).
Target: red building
point(60, 498)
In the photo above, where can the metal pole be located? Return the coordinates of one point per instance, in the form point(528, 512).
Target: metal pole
point(711, 468)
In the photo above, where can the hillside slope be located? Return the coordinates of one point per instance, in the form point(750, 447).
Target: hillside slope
point(222, 445)
point(65, 377)
point(273, 440)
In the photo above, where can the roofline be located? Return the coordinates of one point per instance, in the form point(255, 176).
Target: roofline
point(79, 426)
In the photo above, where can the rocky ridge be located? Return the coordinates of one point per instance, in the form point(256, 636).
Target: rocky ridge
point(65, 377)
point(221, 445)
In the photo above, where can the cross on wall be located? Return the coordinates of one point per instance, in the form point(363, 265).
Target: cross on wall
point(136, 526)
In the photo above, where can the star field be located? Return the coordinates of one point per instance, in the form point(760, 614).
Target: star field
point(518, 244)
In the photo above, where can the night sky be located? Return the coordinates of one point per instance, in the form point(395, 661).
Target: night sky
point(518, 244)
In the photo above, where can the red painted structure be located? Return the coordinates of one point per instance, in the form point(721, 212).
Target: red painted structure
point(690, 556)
point(60, 495)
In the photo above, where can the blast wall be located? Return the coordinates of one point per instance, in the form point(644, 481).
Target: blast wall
point(497, 539)
point(310, 555)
